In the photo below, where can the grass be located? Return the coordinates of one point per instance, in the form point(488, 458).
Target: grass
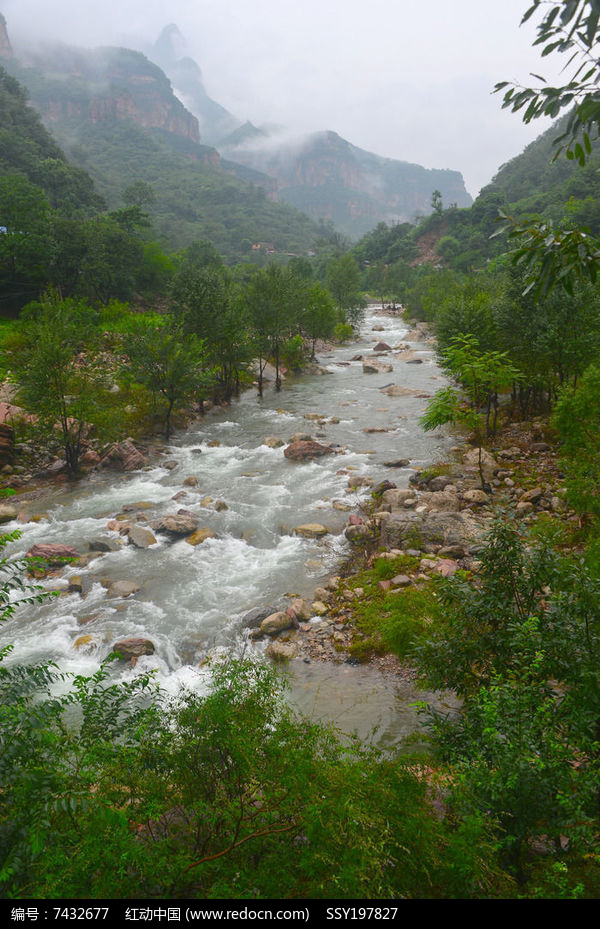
point(392, 621)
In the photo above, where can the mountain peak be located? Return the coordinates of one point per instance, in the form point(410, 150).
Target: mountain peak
point(170, 46)
point(5, 46)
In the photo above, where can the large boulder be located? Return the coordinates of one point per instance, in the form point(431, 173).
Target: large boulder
point(377, 367)
point(428, 531)
point(53, 553)
point(7, 513)
point(311, 530)
point(122, 589)
point(306, 450)
point(134, 648)
point(276, 623)
point(200, 536)
point(280, 652)
point(140, 537)
point(488, 462)
point(177, 524)
point(124, 456)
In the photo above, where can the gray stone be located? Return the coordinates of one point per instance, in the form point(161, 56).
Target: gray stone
point(280, 652)
point(140, 537)
point(276, 623)
point(177, 524)
point(7, 513)
point(122, 589)
point(134, 648)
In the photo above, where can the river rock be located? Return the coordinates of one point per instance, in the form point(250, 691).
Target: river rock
point(382, 347)
point(338, 505)
point(475, 497)
point(439, 482)
point(441, 501)
point(532, 496)
point(140, 537)
point(356, 534)
point(53, 553)
point(397, 463)
point(376, 367)
point(281, 652)
point(90, 459)
point(254, 617)
point(177, 524)
point(7, 513)
point(357, 480)
point(200, 536)
point(401, 580)
point(311, 530)
point(306, 450)
point(124, 456)
point(122, 589)
point(397, 390)
point(428, 531)
point(276, 623)
point(300, 609)
point(399, 497)
point(134, 648)
point(488, 462)
point(191, 481)
point(273, 441)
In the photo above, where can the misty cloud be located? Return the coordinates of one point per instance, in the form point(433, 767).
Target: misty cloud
point(404, 81)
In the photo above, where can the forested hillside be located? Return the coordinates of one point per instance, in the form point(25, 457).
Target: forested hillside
point(115, 114)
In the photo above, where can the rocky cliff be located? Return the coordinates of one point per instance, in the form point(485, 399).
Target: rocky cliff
point(101, 85)
point(329, 178)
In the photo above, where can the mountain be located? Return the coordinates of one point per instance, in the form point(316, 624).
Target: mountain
point(322, 174)
point(28, 149)
point(186, 76)
point(116, 116)
point(331, 179)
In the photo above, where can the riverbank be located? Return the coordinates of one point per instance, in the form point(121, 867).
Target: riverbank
point(414, 536)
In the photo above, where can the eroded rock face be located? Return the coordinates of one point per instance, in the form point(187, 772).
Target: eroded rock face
point(124, 456)
point(306, 450)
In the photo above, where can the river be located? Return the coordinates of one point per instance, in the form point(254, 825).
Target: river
point(193, 599)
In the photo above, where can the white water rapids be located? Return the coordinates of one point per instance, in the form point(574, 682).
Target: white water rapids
point(193, 599)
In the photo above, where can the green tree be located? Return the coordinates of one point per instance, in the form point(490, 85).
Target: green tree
point(170, 363)
point(482, 377)
point(343, 280)
point(59, 380)
point(577, 418)
point(561, 255)
point(274, 298)
point(318, 315)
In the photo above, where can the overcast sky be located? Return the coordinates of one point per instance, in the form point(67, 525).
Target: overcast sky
point(405, 79)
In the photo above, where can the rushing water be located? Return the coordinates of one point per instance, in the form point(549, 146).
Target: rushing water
point(193, 599)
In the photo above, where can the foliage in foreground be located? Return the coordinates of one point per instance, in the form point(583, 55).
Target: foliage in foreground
point(106, 792)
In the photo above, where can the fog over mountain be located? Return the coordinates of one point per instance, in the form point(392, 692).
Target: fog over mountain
point(404, 81)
